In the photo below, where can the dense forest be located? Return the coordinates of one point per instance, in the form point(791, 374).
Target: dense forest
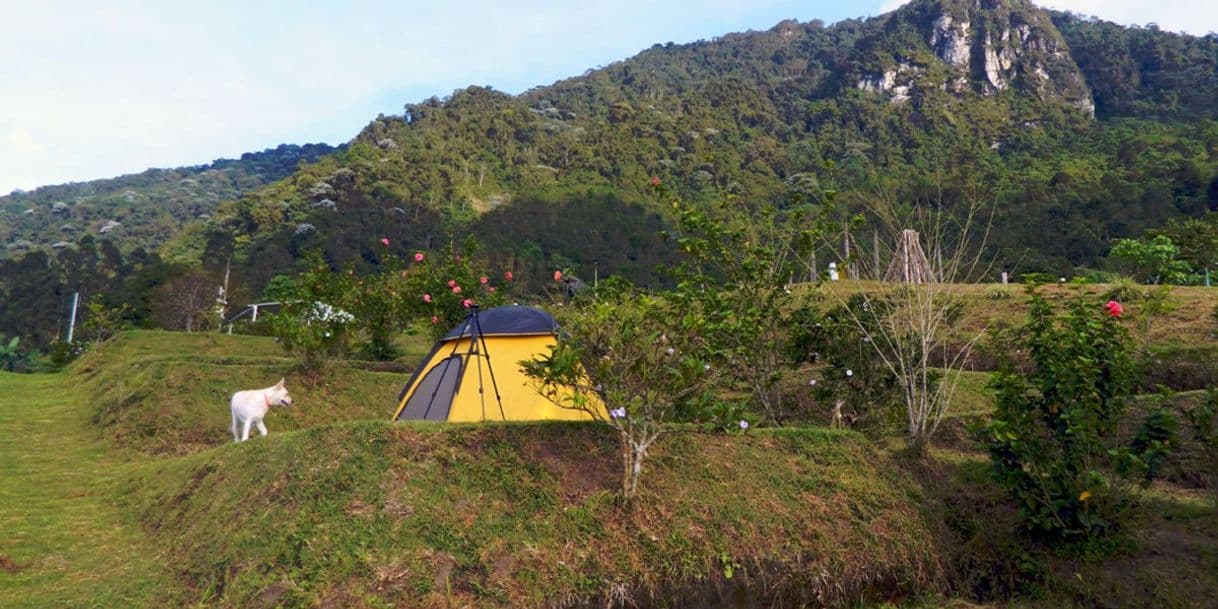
point(1075, 131)
point(140, 210)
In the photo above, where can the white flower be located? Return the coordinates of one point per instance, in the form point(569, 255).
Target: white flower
point(670, 351)
point(812, 382)
point(849, 373)
point(706, 367)
point(744, 424)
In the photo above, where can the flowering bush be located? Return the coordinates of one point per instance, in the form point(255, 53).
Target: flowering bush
point(1053, 438)
point(441, 289)
point(311, 323)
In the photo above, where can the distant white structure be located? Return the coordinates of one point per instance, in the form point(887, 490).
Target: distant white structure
point(833, 276)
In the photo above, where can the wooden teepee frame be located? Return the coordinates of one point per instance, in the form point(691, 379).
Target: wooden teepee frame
point(909, 262)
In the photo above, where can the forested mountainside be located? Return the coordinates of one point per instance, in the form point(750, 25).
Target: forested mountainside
point(140, 210)
point(1078, 131)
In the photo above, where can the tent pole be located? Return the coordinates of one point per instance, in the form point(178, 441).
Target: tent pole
point(487, 354)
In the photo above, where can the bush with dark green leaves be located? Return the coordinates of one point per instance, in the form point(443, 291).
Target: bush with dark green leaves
point(1053, 440)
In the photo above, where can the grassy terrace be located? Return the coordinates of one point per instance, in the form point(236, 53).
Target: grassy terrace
point(121, 489)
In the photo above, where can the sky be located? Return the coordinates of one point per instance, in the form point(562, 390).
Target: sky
point(92, 89)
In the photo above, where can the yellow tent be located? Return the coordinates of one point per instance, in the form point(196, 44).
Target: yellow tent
point(474, 374)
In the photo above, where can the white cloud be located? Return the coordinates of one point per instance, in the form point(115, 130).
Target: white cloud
point(1197, 17)
point(23, 142)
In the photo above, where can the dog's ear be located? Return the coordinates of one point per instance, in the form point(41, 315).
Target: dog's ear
point(280, 383)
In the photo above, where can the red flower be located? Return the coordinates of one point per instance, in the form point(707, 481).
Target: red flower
point(452, 283)
point(1114, 308)
point(507, 275)
point(482, 280)
point(655, 180)
point(418, 256)
point(467, 303)
point(427, 298)
point(385, 241)
point(456, 289)
point(435, 319)
point(557, 275)
point(492, 288)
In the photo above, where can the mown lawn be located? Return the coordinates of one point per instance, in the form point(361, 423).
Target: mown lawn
point(63, 542)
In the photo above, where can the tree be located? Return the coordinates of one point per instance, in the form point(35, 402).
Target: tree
point(735, 277)
point(1197, 238)
point(186, 302)
point(632, 361)
point(912, 327)
point(440, 288)
point(102, 321)
point(1150, 260)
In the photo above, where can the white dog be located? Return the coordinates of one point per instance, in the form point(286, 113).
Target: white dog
point(250, 407)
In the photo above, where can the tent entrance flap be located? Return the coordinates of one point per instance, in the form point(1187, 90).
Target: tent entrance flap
point(433, 397)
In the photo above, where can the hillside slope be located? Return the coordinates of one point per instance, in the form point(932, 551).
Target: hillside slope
point(376, 514)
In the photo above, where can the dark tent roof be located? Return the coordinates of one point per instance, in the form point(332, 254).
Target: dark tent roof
point(508, 320)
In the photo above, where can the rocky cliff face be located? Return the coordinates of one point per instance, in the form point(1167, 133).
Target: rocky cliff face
point(981, 46)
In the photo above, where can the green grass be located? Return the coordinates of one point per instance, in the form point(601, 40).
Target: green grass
point(121, 489)
point(378, 514)
point(71, 545)
point(168, 393)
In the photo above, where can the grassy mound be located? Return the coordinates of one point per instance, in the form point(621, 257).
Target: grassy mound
point(168, 393)
point(376, 515)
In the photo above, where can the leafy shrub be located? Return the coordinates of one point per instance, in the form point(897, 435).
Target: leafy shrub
point(1124, 289)
point(999, 293)
point(1151, 260)
point(1052, 441)
point(739, 259)
point(61, 352)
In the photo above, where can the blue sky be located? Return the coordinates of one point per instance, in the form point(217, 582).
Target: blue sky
point(97, 89)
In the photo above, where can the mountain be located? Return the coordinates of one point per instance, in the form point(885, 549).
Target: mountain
point(941, 100)
point(140, 210)
point(1079, 131)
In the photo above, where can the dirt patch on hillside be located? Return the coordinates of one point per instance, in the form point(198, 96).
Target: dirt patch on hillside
point(7, 565)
